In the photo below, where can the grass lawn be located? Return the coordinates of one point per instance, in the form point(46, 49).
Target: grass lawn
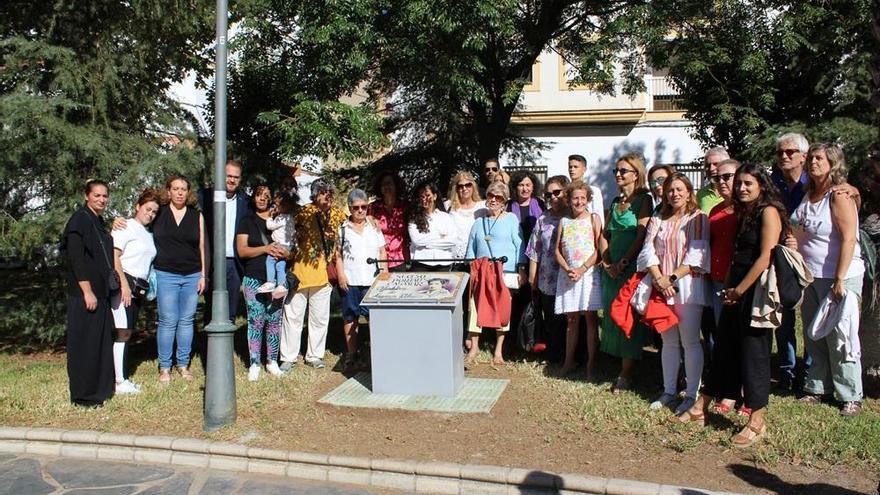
point(541, 421)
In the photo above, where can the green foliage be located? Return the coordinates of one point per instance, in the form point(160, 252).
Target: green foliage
point(445, 76)
point(34, 311)
point(83, 95)
point(748, 70)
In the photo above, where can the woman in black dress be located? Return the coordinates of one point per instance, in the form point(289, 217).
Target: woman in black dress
point(88, 249)
point(762, 223)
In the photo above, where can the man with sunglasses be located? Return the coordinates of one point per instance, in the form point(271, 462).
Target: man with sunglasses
point(491, 169)
point(790, 177)
point(708, 196)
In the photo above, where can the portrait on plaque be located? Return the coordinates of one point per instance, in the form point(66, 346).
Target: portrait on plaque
point(416, 286)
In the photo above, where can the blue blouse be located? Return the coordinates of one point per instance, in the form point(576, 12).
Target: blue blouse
point(503, 235)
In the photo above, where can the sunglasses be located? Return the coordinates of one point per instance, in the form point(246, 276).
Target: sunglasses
point(658, 181)
point(622, 171)
point(466, 185)
point(718, 178)
point(495, 197)
point(552, 194)
point(357, 207)
point(491, 169)
point(787, 152)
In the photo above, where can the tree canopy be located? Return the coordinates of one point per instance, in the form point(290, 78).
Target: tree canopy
point(748, 71)
point(441, 78)
point(83, 94)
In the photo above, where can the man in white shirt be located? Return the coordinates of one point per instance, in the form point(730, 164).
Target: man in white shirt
point(237, 207)
point(577, 170)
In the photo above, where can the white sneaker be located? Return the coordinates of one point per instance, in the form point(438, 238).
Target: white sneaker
point(254, 373)
point(665, 400)
point(273, 369)
point(127, 387)
point(266, 288)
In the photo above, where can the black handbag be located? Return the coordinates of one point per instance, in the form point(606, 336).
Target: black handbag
point(139, 287)
point(113, 284)
point(530, 329)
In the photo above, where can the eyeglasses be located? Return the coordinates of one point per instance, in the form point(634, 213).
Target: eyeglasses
point(658, 181)
point(552, 194)
point(491, 169)
point(718, 178)
point(787, 152)
point(466, 185)
point(622, 171)
point(496, 197)
point(357, 207)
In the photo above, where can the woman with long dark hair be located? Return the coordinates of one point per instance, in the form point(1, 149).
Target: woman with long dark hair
point(254, 245)
point(761, 224)
point(88, 250)
point(431, 230)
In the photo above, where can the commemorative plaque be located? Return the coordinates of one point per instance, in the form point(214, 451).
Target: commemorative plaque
point(416, 333)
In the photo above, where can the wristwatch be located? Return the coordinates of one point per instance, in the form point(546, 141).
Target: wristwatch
point(673, 278)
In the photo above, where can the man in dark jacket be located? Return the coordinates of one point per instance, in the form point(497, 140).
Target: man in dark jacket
point(238, 206)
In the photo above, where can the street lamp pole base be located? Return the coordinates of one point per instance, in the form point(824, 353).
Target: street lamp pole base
point(220, 409)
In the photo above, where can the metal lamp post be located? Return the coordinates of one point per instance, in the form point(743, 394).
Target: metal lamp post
point(220, 376)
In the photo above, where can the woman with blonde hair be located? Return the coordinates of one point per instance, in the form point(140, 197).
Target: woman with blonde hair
point(826, 227)
point(464, 205)
point(676, 256)
point(619, 245)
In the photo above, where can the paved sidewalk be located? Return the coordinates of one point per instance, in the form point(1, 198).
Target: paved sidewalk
point(27, 474)
point(47, 460)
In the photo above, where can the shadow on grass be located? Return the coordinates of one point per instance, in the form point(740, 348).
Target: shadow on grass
point(760, 478)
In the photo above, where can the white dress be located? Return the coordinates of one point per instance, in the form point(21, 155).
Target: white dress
point(577, 244)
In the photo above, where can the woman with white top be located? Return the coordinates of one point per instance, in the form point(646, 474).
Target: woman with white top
point(826, 227)
point(133, 253)
point(432, 231)
point(676, 256)
point(360, 239)
point(464, 204)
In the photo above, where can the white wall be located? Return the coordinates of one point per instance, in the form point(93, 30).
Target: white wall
point(659, 142)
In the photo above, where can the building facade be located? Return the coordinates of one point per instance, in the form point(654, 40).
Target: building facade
point(576, 120)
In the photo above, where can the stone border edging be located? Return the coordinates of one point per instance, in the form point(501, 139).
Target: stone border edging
point(401, 474)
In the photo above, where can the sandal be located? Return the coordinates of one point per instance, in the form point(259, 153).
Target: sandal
point(164, 376)
point(690, 416)
point(722, 406)
point(185, 373)
point(749, 435)
point(620, 385)
point(744, 411)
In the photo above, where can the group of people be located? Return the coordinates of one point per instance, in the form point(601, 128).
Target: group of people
point(701, 254)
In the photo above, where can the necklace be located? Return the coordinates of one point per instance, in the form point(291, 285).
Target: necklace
point(488, 237)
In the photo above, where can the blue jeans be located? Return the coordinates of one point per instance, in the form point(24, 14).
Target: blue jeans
point(177, 297)
point(276, 270)
point(786, 346)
